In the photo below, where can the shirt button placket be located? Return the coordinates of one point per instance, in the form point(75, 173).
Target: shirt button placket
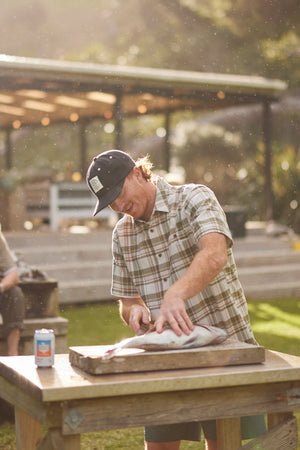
point(160, 256)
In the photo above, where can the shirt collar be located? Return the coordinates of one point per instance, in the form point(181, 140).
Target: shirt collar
point(160, 204)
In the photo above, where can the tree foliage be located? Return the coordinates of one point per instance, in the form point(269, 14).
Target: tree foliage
point(236, 36)
point(257, 37)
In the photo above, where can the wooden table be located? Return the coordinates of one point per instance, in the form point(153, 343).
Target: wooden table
point(68, 401)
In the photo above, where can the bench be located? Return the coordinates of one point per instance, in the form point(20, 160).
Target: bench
point(58, 324)
point(41, 311)
point(65, 200)
point(37, 199)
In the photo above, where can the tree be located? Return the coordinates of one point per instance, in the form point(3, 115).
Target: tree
point(260, 37)
point(237, 36)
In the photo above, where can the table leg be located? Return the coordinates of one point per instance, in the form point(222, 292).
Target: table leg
point(28, 431)
point(276, 418)
point(54, 440)
point(229, 433)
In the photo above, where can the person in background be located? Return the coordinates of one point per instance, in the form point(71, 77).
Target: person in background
point(11, 299)
point(172, 264)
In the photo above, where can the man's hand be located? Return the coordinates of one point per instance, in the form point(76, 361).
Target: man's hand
point(138, 317)
point(173, 311)
point(135, 313)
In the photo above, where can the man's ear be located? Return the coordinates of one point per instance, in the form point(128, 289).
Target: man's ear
point(137, 172)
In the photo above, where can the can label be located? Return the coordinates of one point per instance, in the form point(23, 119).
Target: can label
point(44, 347)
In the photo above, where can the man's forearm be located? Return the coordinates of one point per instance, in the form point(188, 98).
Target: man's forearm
point(124, 311)
point(206, 265)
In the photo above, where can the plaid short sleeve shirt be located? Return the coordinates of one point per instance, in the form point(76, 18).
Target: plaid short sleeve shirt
point(148, 257)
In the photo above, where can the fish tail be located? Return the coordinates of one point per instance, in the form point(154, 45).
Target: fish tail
point(111, 352)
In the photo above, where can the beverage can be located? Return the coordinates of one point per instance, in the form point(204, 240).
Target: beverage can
point(44, 347)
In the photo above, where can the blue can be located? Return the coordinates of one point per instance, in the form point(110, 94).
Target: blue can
point(44, 347)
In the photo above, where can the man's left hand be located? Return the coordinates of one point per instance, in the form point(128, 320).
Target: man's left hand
point(174, 313)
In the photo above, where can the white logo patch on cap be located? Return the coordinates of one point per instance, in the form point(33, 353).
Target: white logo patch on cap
point(96, 184)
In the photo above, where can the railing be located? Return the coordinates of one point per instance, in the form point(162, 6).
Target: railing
point(65, 200)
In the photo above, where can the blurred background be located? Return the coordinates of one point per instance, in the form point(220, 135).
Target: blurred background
point(223, 148)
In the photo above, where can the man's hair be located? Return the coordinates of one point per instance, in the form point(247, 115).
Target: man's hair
point(146, 167)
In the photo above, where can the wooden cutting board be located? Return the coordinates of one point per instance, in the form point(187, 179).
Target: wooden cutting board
point(229, 353)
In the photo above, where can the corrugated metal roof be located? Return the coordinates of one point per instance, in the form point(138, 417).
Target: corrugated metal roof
point(32, 90)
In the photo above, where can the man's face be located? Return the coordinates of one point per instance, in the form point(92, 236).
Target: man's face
point(133, 199)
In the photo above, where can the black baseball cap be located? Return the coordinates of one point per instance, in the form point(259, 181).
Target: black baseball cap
point(106, 175)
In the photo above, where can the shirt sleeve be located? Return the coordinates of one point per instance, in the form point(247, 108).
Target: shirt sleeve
point(206, 214)
point(122, 285)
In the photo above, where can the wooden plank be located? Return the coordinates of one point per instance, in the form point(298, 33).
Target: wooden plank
point(277, 418)
point(66, 382)
point(174, 407)
point(28, 431)
point(47, 415)
point(229, 433)
point(282, 436)
point(90, 359)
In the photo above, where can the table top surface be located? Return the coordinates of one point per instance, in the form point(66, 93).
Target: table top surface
point(65, 382)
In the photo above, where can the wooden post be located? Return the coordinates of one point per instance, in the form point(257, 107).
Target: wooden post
point(229, 433)
point(276, 418)
point(167, 143)
point(281, 436)
point(267, 133)
point(118, 115)
point(83, 147)
point(8, 153)
point(28, 431)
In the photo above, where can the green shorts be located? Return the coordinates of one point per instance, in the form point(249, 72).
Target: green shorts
point(251, 427)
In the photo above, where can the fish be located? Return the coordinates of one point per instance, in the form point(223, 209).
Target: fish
point(168, 340)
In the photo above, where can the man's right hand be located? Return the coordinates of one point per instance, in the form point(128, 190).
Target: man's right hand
point(138, 317)
point(135, 313)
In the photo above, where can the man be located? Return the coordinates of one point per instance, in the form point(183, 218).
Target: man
point(172, 263)
point(11, 299)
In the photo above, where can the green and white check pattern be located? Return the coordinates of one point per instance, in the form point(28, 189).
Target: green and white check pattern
point(148, 257)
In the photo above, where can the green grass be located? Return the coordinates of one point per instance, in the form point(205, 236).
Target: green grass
point(95, 325)
point(276, 325)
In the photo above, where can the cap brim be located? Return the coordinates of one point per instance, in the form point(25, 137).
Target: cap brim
point(108, 197)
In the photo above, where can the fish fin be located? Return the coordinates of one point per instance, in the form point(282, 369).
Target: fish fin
point(190, 342)
point(220, 339)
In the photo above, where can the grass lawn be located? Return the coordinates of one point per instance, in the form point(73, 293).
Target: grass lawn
point(276, 325)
